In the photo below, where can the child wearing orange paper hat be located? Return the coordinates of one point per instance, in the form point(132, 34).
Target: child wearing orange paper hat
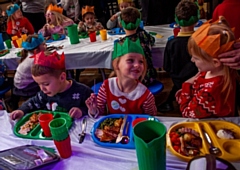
point(115, 19)
point(211, 92)
point(17, 24)
point(56, 22)
point(89, 24)
point(57, 93)
point(124, 93)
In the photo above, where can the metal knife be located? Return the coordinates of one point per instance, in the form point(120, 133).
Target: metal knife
point(84, 128)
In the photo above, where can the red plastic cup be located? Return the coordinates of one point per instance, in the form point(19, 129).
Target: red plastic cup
point(92, 36)
point(44, 120)
point(138, 120)
point(176, 31)
point(15, 43)
point(64, 147)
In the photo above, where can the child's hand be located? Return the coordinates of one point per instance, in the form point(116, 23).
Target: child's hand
point(98, 26)
point(75, 113)
point(191, 80)
point(14, 31)
point(80, 24)
point(114, 17)
point(24, 30)
point(91, 103)
point(16, 114)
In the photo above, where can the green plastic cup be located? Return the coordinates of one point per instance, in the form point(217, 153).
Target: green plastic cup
point(55, 36)
point(58, 129)
point(8, 43)
point(150, 143)
point(73, 34)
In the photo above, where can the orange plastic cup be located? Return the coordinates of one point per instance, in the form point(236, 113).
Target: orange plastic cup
point(103, 34)
point(19, 42)
point(24, 37)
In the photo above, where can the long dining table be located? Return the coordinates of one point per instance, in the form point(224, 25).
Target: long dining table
point(97, 54)
point(89, 155)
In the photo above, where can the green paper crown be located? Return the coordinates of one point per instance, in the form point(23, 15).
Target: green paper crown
point(128, 46)
point(130, 26)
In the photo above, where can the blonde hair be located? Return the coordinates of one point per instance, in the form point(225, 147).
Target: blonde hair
point(11, 17)
point(226, 35)
point(116, 61)
point(60, 18)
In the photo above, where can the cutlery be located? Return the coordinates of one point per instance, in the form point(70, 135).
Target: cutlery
point(120, 137)
point(213, 150)
point(84, 127)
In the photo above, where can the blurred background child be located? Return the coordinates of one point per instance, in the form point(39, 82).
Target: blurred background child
point(115, 19)
point(130, 21)
point(210, 93)
point(89, 23)
point(17, 24)
point(177, 60)
point(72, 9)
point(24, 84)
point(56, 22)
point(124, 93)
point(57, 92)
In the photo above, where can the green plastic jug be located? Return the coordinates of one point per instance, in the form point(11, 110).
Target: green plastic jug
point(150, 143)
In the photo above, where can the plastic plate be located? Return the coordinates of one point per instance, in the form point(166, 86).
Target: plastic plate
point(116, 31)
point(175, 25)
point(129, 120)
point(37, 132)
point(62, 37)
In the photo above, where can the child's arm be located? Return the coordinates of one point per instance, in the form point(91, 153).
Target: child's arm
point(99, 26)
point(149, 105)
point(111, 23)
point(28, 26)
point(10, 30)
point(81, 27)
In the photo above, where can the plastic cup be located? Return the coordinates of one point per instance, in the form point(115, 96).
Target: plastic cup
point(141, 25)
point(176, 31)
point(92, 36)
point(150, 143)
point(19, 42)
point(103, 34)
point(2, 47)
point(64, 147)
point(58, 129)
point(14, 37)
point(55, 36)
point(15, 43)
point(44, 120)
point(8, 43)
point(138, 120)
point(24, 37)
point(73, 34)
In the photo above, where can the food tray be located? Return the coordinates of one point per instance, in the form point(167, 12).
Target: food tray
point(175, 25)
point(130, 119)
point(229, 147)
point(116, 31)
point(37, 132)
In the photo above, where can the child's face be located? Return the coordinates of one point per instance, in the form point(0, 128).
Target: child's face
point(124, 5)
point(17, 14)
point(89, 19)
point(201, 64)
point(131, 65)
point(50, 17)
point(50, 85)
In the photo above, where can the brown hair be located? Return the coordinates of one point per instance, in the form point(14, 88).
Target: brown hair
point(38, 70)
point(185, 9)
point(130, 15)
point(226, 35)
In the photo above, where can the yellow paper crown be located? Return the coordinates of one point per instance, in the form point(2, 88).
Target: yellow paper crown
point(210, 43)
point(55, 8)
point(121, 1)
point(87, 9)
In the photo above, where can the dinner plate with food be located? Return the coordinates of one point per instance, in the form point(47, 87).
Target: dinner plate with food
point(189, 139)
point(29, 127)
point(116, 130)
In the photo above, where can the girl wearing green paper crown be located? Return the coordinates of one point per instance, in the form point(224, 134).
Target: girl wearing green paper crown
point(124, 93)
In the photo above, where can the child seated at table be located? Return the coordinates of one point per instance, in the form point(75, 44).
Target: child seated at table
point(24, 84)
point(89, 24)
point(177, 60)
point(124, 93)
point(17, 24)
point(56, 22)
point(130, 21)
point(115, 19)
point(211, 92)
point(57, 93)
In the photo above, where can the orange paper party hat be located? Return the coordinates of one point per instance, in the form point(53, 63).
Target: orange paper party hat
point(55, 8)
point(87, 9)
point(121, 1)
point(53, 60)
point(210, 43)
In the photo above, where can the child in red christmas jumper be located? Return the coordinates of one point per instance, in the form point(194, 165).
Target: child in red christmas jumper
point(211, 92)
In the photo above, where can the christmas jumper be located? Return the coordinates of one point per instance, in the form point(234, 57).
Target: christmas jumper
point(139, 101)
point(18, 26)
point(230, 10)
point(115, 23)
point(204, 98)
point(75, 96)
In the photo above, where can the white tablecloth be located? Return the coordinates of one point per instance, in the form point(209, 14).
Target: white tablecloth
point(96, 54)
point(88, 155)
